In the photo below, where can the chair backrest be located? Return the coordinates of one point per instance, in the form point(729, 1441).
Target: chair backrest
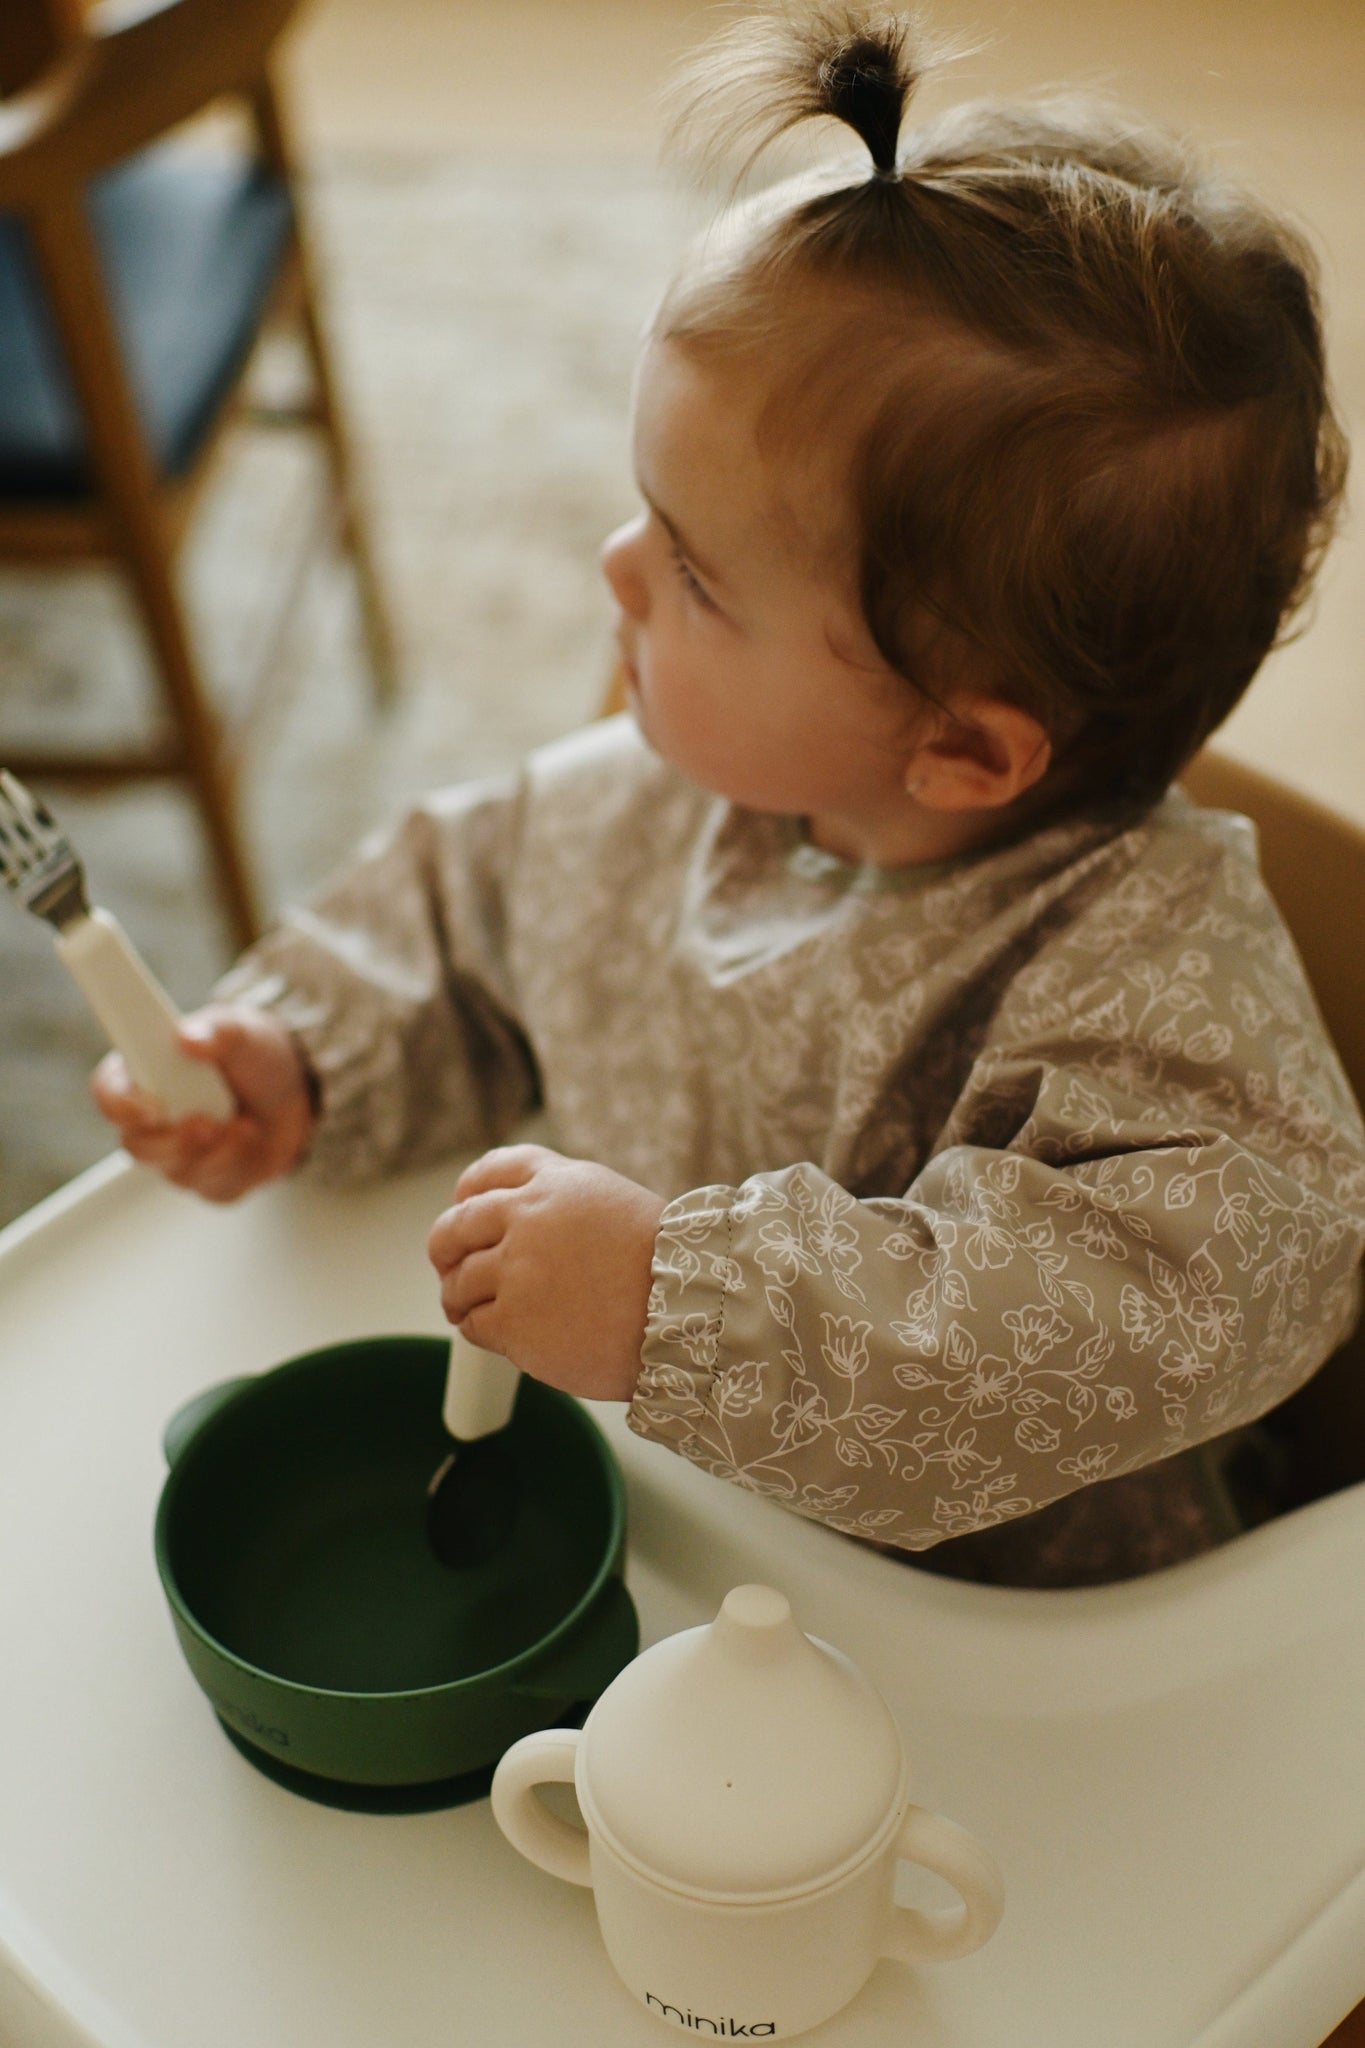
point(108, 88)
point(33, 34)
point(1313, 861)
point(1314, 865)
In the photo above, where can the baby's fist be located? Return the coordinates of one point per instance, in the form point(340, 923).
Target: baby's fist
point(548, 1260)
point(219, 1159)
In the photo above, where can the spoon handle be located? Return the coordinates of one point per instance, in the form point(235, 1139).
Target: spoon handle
point(481, 1388)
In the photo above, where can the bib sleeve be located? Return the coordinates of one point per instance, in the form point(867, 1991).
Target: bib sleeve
point(395, 982)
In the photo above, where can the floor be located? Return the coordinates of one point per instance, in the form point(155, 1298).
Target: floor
point(1273, 86)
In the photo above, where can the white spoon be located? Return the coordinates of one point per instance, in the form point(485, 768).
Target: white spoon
point(474, 1493)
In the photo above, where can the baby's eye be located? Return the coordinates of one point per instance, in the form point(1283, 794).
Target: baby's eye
point(689, 582)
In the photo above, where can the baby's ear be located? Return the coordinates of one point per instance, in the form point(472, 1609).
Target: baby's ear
point(979, 756)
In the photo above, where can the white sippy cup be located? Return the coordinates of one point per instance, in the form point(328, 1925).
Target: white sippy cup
point(745, 1792)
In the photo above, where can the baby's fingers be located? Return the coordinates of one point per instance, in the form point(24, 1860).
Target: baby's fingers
point(144, 1129)
point(118, 1097)
point(506, 1166)
point(471, 1225)
point(234, 1161)
point(472, 1284)
point(218, 1161)
point(175, 1149)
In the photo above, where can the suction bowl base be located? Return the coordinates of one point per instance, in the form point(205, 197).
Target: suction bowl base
point(434, 1797)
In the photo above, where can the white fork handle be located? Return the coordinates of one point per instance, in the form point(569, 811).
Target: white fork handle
point(481, 1391)
point(140, 1018)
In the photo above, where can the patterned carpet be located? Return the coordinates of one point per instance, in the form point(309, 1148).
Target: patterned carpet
point(484, 315)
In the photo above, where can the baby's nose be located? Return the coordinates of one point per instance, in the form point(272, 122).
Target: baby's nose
point(621, 566)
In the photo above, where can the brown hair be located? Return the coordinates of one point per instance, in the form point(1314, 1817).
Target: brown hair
point(1077, 384)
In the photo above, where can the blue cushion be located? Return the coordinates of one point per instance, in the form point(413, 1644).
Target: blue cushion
point(191, 244)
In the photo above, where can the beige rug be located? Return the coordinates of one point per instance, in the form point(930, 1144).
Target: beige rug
point(485, 314)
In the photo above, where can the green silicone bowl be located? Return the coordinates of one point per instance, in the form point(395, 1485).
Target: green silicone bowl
point(339, 1655)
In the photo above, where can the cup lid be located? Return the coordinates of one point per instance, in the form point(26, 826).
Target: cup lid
point(742, 1757)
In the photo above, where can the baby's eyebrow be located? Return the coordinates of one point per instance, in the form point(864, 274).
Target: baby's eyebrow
point(711, 575)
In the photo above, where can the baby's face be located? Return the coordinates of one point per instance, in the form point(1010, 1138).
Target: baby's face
point(746, 662)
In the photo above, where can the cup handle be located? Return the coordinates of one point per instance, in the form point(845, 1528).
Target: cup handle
point(546, 1758)
point(951, 1853)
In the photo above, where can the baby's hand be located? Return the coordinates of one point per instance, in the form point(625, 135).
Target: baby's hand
point(219, 1159)
point(548, 1261)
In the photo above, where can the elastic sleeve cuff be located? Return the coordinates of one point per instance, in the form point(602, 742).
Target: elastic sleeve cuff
point(683, 1349)
point(354, 1078)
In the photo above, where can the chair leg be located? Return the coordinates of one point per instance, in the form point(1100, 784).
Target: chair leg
point(71, 269)
point(375, 622)
point(272, 132)
point(149, 571)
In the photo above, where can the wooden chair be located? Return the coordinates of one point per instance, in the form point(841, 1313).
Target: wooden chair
point(1314, 863)
point(135, 278)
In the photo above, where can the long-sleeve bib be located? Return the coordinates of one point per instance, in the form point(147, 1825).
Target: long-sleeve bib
point(985, 1179)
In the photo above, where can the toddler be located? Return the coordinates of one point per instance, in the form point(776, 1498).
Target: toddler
point(946, 1124)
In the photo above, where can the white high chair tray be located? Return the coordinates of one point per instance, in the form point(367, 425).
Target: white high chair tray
point(1171, 1774)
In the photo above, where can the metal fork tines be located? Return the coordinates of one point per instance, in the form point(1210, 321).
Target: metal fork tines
point(37, 860)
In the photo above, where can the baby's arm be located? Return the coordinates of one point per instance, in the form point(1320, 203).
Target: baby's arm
point(269, 1078)
point(1141, 1225)
point(395, 983)
point(914, 1369)
point(372, 1028)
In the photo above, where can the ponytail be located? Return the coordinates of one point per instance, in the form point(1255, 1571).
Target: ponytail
point(763, 77)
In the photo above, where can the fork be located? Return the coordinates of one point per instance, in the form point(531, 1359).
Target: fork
point(40, 865)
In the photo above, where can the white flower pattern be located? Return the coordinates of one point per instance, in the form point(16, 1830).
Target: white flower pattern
point(985, 1181)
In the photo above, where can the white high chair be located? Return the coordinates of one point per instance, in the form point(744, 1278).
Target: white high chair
point(1170, 1772)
